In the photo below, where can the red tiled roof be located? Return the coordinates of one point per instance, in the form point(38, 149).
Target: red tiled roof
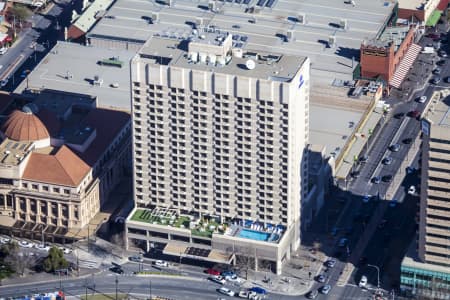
point(63, 168)
point(108, 124)
point(22, 126)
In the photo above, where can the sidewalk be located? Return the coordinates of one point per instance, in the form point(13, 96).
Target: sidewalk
point(295, 279)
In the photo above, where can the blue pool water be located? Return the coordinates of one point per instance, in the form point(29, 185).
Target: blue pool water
point(254, 235)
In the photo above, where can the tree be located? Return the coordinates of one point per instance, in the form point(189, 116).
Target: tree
point(20, 12)
point(245, 259)
point(17, 260)
point(55, 260)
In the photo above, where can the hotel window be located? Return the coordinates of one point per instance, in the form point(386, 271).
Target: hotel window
point(34, 186)
point(56, 190)
point(24, 185)
point(66, 191)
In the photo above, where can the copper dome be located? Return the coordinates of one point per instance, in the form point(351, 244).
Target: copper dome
point(24, 126)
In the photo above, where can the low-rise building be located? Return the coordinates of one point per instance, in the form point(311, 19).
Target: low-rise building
point(60, 157)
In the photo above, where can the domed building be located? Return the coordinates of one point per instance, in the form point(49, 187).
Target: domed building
point(25, 125)
point(59, 159)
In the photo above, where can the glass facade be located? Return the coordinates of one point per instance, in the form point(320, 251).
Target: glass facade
point(417, 281)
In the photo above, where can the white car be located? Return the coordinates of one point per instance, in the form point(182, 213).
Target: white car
point(65, 250)
point(363, 281)
point(4, 82)
point(217, 279)
point(412, 190)
point(234, 278)
point(3, 50)
point(25, 244)
point(42, 247)
point(225, 291)
point(5, 240)
point(422, 99)
point(161, 263)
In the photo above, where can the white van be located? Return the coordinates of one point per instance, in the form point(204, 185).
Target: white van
point(363, 281)
point(427, 50)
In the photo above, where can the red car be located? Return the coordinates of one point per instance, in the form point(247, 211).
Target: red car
point(414, 113)
point(433, 35)
point(212, 272)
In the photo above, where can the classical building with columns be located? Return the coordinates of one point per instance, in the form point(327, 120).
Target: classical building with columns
point(59, 160)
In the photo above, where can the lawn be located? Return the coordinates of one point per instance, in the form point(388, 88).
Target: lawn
point(142, 215)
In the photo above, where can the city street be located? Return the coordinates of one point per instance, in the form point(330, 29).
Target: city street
point(34, 43)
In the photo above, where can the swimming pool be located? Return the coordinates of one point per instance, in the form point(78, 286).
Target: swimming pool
point(254, 235)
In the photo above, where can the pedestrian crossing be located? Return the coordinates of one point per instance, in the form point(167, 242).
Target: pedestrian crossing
point(405, 64)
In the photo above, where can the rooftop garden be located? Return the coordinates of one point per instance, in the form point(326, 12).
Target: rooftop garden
point(198, 227)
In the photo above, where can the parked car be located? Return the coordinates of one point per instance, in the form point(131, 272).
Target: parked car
point(440, 62)
point(432, 35)
point(320, 278)
point(212, 272)
point(312, 294)
point(117, 270)
point(436, 71)
point(248, 295)
point(442, 53)
point(3, 50)
point(376, 180)
point(136, 258)
point(65, 250)
point(447, 79)
point(226, 291)
point(412, 190)
point(26, 244)
point(414, 114)
point(343, 242)
point(217, 279)
point(258, 290)
point(407, 141)
point(330, 263)
point(394, 147)
point(4, 82)
point(363, 159)
point(387, 160)
point(399, 115)
point(161, 263)
point(355, 174)
point(422, 99)
point(43, 247)
point(363, 281)
point(366, 198)
point(393, 203)
point(227, 273)
point(435, 80)
point(325, 289)
point(387, 178)
point(4, 240)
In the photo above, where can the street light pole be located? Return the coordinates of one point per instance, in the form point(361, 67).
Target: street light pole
point(378, 274)
point(150, 288)
point(117, 282)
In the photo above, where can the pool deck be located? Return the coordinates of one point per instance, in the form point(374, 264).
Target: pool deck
point(235, 231)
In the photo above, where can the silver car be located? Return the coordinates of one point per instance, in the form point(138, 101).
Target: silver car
point(325, 289)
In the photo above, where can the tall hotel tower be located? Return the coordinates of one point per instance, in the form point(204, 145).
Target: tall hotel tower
point(219, 135)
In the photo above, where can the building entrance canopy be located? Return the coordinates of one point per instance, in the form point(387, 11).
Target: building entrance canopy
point(198, 253)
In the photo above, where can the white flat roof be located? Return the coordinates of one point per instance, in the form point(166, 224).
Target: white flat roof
point(72, 67)
point(129, 21)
